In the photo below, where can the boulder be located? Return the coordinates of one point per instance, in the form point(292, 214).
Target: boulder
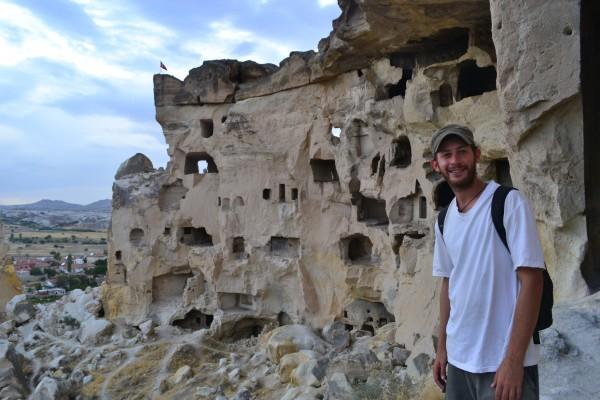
point(95, 331)
point(292, 338)
point(138, 164)
point(20, 309)
point(335, 333)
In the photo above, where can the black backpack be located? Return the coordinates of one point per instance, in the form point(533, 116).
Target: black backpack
point(545, 316)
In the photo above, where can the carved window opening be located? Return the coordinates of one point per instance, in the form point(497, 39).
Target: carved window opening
point(375, 164)
point(136, 236)
point(283, 318)
point(199, 163)
point(238, 246)
point(294, 194)
point(169, 288)
point(219, 201)
point(195, 237)
point(118, 255)
point(422, 207)
point(223, 119)
point(401, 152)
point(167, 231)
point(324, 170)
point(399, 89)
point(502, 167)
point(371, 211)
point(445, 95)
point(206, 128)
point(281, 192)
point(335, 134)
point(357, 248)
point(235, 301)
point(443, 195)
point(473, 80)
point(284, 246)
point(194, 320)
point(266, 194)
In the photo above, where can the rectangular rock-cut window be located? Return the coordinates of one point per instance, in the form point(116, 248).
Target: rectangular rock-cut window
point(282, 192)
point(372, 211)
point(503, 172)
point(422, 207)
point(324, 170)
point(474, 80)
point(118, 255)
point(206, 128)
point(266, 194)
point(245, 301)
point(294, 194)
point(238, 245)
point(284, 246)
point(167, 231)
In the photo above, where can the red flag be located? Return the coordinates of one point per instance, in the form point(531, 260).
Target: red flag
point(162, 66)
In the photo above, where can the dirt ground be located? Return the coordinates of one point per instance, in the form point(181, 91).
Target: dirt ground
point(43, 250)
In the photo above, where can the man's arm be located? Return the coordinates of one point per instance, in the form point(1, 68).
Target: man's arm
point(509, 377)
point(441, 357)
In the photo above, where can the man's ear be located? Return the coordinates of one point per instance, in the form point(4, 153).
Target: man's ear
point(477, 154)
point(435, 165)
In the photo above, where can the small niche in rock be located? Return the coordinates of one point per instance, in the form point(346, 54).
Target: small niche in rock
point(195, 236)
point(238, 247)
point(136, 236)
point(206, 128)
point(194, 320)
point(371, 211)
point(502, 168)
point(167, 231)
point(324, 170)
point(357, 248)
point(399, 89)
point(238, 202)
point(401, 152)
point(445, 95)
point(422, 207)
point(402, 210)
point(294, 194)
point(284, 246)
point(381, 169)
point(235, 301)
point(354, 186)
point(442, 195)
point(169, 196)
point(284, 319)
point(169, 288)
point(473, 80)
point(118, 255)
point(375, 164)
point(368, 328)
point(281, 193)
point(199, 163)
point(414, 235)
point(266, 194)
point(223, 119)
point(430, 174)
point(335, 134)
point(359, 73)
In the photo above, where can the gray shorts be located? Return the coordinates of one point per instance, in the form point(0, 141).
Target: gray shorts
point(463, 385)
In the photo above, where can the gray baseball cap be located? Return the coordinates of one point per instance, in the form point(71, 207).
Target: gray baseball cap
point(457, 130)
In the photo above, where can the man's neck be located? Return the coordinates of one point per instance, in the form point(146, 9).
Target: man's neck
point(468, 194)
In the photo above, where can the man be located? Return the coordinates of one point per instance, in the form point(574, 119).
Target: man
point(490, 297)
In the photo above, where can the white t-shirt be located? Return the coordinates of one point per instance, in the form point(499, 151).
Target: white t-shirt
point(483, 284)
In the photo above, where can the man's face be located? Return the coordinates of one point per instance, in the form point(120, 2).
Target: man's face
point(456, 161)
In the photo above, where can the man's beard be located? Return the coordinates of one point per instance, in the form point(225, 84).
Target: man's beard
point(465, 182)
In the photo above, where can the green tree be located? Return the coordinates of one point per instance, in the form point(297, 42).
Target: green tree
point(69, 262)
point(56, 255)
point(36, 271)
point(50, 272)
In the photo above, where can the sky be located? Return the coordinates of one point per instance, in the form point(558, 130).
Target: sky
point(76, 95)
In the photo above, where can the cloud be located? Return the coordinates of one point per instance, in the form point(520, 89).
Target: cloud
point(224, 40)
point(325, 3)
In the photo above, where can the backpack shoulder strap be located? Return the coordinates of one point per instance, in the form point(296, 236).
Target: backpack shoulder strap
point(498, 201)
point(442, 218)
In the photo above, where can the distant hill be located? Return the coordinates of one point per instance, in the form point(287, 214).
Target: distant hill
point(59, 205)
